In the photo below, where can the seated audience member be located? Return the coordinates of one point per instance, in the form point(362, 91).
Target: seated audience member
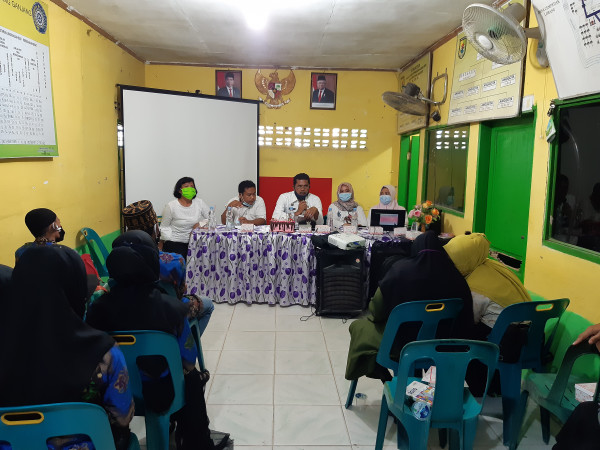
point(247, 207)
point(340, 210)
point(582, 429)
point(135, 303)
point(45, 227)
point(181, 216)
point(141, 216)
point(493, 285)
point(305, 206)
point(55, 356)
point(387, 200)
point(428, 274)
point(5, 275)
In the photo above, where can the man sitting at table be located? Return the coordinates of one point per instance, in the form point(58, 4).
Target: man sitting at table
point(247, 207)
point(306, 206)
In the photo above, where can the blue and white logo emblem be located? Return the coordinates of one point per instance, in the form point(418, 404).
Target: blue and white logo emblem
point(40, 20)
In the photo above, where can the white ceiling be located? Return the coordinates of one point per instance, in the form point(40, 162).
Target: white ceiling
point(350, 34)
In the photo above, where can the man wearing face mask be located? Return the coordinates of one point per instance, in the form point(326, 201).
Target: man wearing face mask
point(45, 227)
point(247, 207)
point(305, 206)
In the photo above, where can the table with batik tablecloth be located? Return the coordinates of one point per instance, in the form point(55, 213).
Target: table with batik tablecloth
point(256, 267)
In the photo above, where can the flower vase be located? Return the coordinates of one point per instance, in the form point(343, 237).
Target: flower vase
point(423, 228)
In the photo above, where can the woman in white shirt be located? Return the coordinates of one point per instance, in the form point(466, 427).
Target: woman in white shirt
point(338, 213)
point(181, 216)
point(387, 200)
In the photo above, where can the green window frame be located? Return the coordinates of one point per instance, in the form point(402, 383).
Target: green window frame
point(570, 247)
point(445, 168)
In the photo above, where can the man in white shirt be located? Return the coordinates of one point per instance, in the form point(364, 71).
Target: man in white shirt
point(247, 207)
point(306, 206)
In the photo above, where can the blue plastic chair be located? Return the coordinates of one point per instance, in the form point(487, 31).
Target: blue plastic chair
point(536, 313)
point(134, 344)
point(453, 406)
point(196, 334)
point(97, 251)
point(428, 312)
point(28, 427)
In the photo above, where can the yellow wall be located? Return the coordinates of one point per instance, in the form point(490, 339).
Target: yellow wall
point(359, 105)
point(81, 185)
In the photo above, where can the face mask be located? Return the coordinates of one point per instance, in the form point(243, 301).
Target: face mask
point(300, 197)
point(61, 235)
point(188, 192)
point(247, 205)
point(345, 196)
point(385, 199)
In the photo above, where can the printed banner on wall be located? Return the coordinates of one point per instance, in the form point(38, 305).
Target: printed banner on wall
point(419, 74)
point(27, 126)
point(482, 89)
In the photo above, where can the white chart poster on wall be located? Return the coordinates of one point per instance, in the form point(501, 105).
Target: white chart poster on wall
point(26, 109)
point(572, 44)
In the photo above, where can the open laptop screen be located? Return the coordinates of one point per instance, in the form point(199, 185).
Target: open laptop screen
point(388, 219)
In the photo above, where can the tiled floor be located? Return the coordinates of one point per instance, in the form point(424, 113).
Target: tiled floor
point(277, 383)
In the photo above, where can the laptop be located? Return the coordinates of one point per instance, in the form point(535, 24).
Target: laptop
point(388, 219)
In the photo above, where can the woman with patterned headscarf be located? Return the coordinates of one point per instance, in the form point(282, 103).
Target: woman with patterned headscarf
point(339, 211)
point(387, 200)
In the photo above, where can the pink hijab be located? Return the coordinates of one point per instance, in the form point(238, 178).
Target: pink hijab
point(393, 204)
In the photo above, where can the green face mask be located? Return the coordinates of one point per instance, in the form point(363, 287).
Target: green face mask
point(188, 192)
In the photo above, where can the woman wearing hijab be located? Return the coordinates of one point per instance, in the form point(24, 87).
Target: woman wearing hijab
point(135, 303)
point(387, 200)
point(57, 357)
point(339, 211)
point(428, 274)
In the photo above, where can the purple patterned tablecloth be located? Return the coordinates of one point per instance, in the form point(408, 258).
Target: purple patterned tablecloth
point(258, 267)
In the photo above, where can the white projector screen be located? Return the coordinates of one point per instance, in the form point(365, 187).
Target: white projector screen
point(169, 135)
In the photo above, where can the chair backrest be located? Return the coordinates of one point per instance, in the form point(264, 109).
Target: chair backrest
point(537, 313)
point(428, 312)
point(97, 250)
point(28, 427)
point(134, 344)
point(451, 358)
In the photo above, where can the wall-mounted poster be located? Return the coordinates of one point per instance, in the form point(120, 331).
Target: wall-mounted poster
point(482, 89)
point(418, 73)
point(26, 108)
point(323, 90)
point(228, 83)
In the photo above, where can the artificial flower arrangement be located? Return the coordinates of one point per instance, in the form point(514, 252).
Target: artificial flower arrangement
point(424, 213)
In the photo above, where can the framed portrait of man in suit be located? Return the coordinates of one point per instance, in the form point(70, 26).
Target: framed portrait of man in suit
point(323, 90)
point(228, 83)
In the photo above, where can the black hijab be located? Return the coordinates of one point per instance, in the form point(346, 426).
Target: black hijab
point(429, 274)
point(5, 274)
point(48, 353)
point(135, 303)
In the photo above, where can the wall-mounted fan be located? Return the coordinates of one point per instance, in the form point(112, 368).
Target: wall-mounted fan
point(498, 35)
point(412, 101)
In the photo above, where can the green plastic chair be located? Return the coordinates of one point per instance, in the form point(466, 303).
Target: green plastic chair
point(536, 314)
point(555, 393)
point(196, 334)
point(97, 250)
point(134, 344)
point(28, 427)
point(453, 408)
point(428, 312)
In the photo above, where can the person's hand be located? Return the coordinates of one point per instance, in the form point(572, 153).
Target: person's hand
point(302, 206)
point(591, 334)
point(244, 220)
point(160, 245)
point(196, 225)
point(311, 213)
point(235, 204)
point(348, 219)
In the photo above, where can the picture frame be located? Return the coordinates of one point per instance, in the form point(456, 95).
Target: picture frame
point(231, 90)
point(323, 90)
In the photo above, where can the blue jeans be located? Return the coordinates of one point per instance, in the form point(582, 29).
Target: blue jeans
point(207, 308)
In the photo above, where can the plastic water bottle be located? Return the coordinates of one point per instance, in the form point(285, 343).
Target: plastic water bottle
point(229, 218)
point(354, 218)
point(212, 220)
point(420, 410)
point(291, 214)
point(330, 217)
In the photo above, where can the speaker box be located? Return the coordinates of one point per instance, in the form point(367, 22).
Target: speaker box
point(340, 282)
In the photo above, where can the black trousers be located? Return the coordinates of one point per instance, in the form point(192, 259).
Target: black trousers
point(176, 247)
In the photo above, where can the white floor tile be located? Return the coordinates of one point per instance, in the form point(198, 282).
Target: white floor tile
point(307, 363)
point(213, 340)
point(331, 325)
point(294, 310)
point(305, 390)
point(263, 310)
point(211, 359)
point(309, 425)
point(362, 424)
point(294, 323)
point(294, 340)
point(241, 390)
point(313, 447)
point(371, 391)
point(338, 360)
point(218, 322)
point(253, 322)
point(247, 424)
point(250, 340)
point(337, 341)
point(246, 362)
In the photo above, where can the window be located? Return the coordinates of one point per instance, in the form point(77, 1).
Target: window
point(336, 138)
point(447, 167)
point(574, 198)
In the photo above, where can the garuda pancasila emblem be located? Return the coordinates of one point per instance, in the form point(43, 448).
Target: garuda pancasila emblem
point(274, 89)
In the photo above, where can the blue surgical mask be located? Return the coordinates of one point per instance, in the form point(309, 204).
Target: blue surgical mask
point(247, 205)
point(345, 196)
point(385, 199)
